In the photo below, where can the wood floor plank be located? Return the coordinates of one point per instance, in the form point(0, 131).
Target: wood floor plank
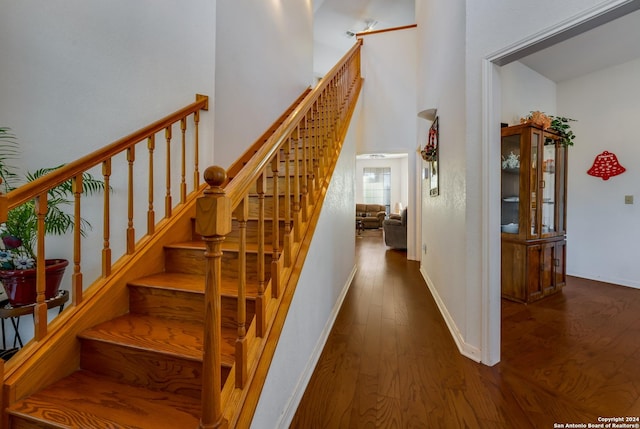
point(568, 358)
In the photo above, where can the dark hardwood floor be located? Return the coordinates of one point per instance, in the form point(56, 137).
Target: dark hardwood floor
point(390, 361)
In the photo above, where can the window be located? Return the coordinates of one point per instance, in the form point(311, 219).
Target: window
point(376, 186)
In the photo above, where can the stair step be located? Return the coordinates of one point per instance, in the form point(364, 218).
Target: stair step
point(188, 257)
point(180, 296)
point(86, 400)
point(152, 352)
point(190, 283)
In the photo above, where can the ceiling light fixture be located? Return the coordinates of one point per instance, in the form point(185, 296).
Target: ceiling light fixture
point(368, 26)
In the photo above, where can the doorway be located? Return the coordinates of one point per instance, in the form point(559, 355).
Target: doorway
point(492, 116)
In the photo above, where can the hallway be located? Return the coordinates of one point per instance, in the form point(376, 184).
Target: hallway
point(390, 361)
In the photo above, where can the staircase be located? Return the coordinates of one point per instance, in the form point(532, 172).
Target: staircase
point(144, 369)
point(151, 355)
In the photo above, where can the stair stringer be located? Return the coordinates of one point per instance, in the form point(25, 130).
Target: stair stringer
point(39, 364)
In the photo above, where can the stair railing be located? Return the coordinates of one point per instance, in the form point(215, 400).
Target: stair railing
point(291, 171)
point(176, 152)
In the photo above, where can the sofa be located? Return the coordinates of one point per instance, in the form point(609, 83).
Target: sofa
point(395, 231)
point(371, 215)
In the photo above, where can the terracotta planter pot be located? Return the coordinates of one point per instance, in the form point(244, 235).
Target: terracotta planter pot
point(20, 285)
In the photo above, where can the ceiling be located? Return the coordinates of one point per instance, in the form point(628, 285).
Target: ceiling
point(610, 44)
point(613, 43)
point(334, 18)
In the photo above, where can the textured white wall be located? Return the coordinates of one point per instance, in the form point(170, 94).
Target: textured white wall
point(264, 60)
point(603, 233)
point(77, 75)
point(445, 224)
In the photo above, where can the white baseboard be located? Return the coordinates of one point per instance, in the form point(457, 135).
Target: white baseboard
point(622, 282)
point(292, 405)
point(465, 349)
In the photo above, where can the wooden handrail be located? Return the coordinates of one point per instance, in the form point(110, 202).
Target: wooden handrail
point(38, 191)
point(42, 185)
point(385, 30)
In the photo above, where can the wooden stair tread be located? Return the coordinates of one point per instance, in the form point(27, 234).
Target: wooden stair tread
point(84, 400)
point(166, 336)
point(191, 283)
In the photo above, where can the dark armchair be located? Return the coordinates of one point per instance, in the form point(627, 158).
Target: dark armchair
point(395, 231)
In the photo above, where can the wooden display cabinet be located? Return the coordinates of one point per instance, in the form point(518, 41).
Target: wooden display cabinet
point(533, 215)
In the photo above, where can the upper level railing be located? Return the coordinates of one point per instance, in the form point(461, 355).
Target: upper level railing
point(121, 156)
point(291, 170)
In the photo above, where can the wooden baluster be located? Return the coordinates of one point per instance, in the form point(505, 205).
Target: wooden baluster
point(261, 303)
point(40, 310)
point(151, 215)
point(331, 116)
point(287, 202)
point(183, 161)
point(338, 110)
point(323, 139)
point(296, 185)
point(106, 217)
point(275, 229)
point(304, 190)
point(340, 96)
point(131, 232)
point(196, 150)
point(76, 277)
point(313, 188)
point(213, 223)
point(320, 138)
point(242, 213)
point(327, 131)
point(340, 101)
point(167, 199)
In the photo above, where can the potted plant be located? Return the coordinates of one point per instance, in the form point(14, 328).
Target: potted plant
point(19, 233)
point(559, 124)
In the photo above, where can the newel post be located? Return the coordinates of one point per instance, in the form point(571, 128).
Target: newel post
point(213, 223)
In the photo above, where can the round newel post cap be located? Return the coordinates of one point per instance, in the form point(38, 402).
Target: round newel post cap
point(215, 176)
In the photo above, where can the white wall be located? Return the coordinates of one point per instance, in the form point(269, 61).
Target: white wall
point(399, 182)
point(388, 117)
point(525, 90)
point(264, 61)
point(449, 225)
point(603, 233)
point(77, 74)
point(321, 289)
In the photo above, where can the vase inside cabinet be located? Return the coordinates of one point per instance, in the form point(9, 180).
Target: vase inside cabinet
point(533, 212)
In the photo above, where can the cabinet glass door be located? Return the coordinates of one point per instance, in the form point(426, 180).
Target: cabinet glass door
point(510, 184)
point(562, 191)
point(533, 185)
point(548, 183)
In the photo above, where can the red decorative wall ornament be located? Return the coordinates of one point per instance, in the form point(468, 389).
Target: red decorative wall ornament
point(606, 165)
